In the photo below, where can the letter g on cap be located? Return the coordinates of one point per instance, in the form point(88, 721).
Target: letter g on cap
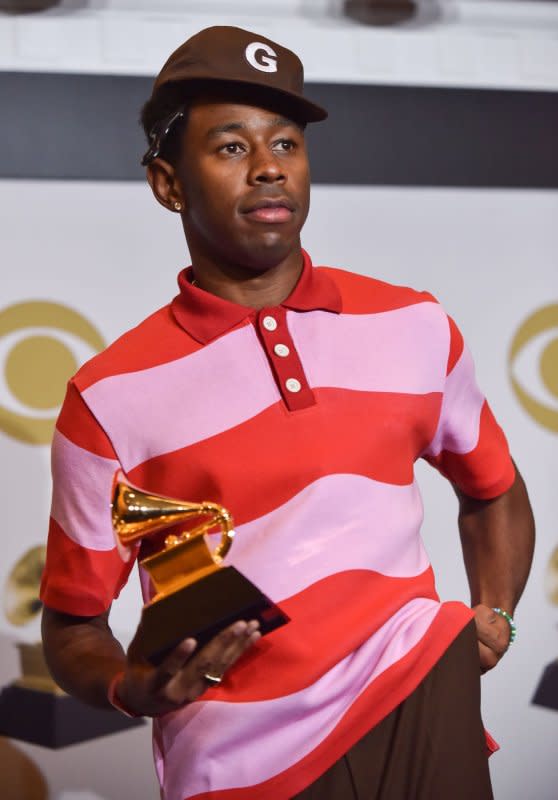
point(261, 56)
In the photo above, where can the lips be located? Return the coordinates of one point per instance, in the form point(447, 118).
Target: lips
point(270, 210)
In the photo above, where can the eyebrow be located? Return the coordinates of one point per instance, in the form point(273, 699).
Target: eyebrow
point(231, 127)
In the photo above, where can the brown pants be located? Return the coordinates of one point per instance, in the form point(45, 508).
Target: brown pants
point(431, 747)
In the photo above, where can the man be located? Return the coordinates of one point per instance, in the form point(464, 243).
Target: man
point(299, 398)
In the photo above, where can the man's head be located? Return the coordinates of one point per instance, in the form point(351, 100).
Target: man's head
point(230, 60)
point(225, 125)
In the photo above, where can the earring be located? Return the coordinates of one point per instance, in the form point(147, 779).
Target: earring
point(177, 205)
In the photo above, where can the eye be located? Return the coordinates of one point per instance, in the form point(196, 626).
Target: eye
point(533, 366)
point(42, 344)
point(284, 145)
point(231, 148)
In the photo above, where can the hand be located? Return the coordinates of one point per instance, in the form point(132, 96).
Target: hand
point(151, 691)
point(493, 634)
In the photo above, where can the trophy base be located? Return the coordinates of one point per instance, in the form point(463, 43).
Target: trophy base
point(54, 721)
point(202, 609)
point(546, 693)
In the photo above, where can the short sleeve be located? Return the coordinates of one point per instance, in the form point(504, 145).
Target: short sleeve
point(469, 447)
point(84, 571)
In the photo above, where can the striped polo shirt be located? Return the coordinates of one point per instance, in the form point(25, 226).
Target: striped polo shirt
point(305, 420)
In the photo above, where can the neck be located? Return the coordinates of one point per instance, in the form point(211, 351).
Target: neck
point(247, 286)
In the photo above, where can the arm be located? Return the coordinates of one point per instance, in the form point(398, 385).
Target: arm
point(84, 572)
point(497, 537)
point(84, 657)
point(82, 654)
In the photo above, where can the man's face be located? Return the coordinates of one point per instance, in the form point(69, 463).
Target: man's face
point(244, 178)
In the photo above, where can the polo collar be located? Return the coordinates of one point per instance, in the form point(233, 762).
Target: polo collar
point(205, 316)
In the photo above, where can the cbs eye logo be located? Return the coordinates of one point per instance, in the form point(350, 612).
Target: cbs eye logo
point(42, 345)
point(534, 355)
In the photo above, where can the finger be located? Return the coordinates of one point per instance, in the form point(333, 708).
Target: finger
point(219, 654)
point(494, 633)
point(229, 643)
point(488, 658)
point(214, 659)
point(240, 640)
point(142, 684)
point(233, 653)
point(173, 664)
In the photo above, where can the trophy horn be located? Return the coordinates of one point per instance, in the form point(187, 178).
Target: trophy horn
point(551, 577)
point(21, 594)
point(137, 514)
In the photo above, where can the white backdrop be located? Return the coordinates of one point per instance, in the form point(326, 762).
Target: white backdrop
point(108, 251)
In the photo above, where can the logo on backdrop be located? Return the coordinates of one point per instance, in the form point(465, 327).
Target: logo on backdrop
point(533, 366)
point(546, 692)
point(261, 56)
point(533, 369)
point(42, 345)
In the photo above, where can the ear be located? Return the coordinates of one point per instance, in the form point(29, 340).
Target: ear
point(164, 184)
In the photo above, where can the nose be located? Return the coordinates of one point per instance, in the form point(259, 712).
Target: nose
point(265, 168)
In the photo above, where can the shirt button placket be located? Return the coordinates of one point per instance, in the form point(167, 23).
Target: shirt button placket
point(284, 360)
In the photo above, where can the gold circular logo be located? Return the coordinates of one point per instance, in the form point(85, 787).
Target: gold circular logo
point(542, 325)
point(44, 344)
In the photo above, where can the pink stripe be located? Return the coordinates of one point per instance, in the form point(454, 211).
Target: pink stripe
point(338, 523)
point(158, 410)
point(81, 494)
point(404, 350)
point(213, 745)
point(459, 423)
point(230, 381)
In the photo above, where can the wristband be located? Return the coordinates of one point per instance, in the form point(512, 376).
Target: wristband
point(509, 620)
point(114, 700)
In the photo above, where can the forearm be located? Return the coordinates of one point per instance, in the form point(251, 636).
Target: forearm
point(497, 538)
point(82, 654)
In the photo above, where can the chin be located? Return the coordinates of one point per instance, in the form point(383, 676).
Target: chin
point(266, 254)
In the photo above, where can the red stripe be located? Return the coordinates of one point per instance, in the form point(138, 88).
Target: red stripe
point(80, 581)
point(372, 434)
point(456, 345)
point(157, 340)
point(485, 472)
point(364, 295)
point(77, 423)
point(323, 630)
point(375, 703)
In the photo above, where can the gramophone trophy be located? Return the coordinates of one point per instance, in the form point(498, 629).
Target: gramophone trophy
point(194, 595)
point(33, 708)
point(546, 693)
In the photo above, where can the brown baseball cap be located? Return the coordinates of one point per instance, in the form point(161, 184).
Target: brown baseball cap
point(229, 56)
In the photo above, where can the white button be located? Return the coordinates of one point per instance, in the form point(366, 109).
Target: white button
point(269, 323)
point(293, 385)
point(281, 350)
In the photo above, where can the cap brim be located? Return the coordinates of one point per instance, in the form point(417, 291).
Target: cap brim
point(289, 103)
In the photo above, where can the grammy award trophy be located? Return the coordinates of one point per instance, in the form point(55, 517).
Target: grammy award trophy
point(32, 707)
point(546, 693)
point(194, 595)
